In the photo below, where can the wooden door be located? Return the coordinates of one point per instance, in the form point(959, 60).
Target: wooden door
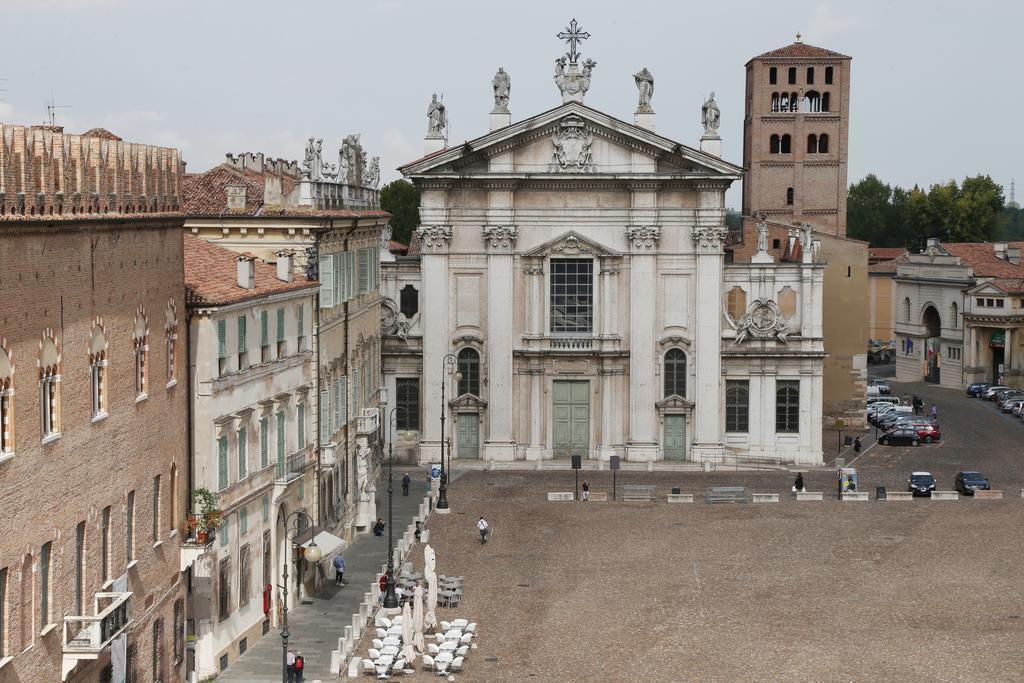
point(675, 437)
point(571, 409)
point(467, 444)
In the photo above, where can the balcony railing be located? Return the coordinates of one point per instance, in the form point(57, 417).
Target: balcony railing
point(572, 343)
point(367, 422)
point(85, 637)
point(292, 468)
point(328, 454)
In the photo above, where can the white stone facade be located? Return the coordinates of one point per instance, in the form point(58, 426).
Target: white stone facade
point(592, 293)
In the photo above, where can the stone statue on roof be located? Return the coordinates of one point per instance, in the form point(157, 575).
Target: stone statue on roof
point(710, 116)
point(502, 85)
point(645, 84)
point(437, 118)
point(762, 233)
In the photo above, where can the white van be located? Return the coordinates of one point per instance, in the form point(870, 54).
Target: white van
point(895, 400)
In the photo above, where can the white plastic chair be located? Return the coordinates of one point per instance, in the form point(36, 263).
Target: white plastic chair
point(453, 634)
point(381, 633)
point(385, 622)
point(439, 637)
point(428, 662)
point(445, 626)
point(392, 640)
point(433, 649)
point(456, 664)
point(462, 651)
point(377, 643)
point(390, 650)
point(398, 666)
point(374, 654)
point(369, 667)
point(466, 638)
point(394, 631)
point(471, 628)
point(449, 646)
point(441, 666)
point(460, 623)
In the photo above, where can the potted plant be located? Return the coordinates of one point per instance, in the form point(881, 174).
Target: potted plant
point(188, 527)
point(209, 517)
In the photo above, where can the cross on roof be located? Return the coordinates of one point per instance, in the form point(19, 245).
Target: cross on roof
point(573, 36)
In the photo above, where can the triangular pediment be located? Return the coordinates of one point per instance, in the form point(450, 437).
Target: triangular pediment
point(984, 288)
point(614, 142)
point(468, 402)
point(674, 402)
point(570, 244)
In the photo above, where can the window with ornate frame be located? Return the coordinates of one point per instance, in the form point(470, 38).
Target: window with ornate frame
point(407, 400)
point(675, 373)
point(171, 331)
point(140, 342)
point(737, 405)
point(571, 301)
point(6, 400)
point(98, 369)
point(469, 368)
point(787, 406)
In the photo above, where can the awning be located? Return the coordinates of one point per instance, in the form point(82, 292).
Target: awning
point(328, 543)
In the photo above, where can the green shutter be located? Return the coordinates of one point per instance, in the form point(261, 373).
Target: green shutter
point(222, 335)
point(326, 282)
point(300, 328)
point(222, 463)
point(364, 271)
point(264, 443)
point(302, 489)
point(280, 324)
point(243, 452)
point(339, 278)
point(325, 411)
point(266, 508)
point(243, 521)
point(350, 273)
point(264, 328)
point(280, 443)
point(343, 401)
point(300, 425)
point(241, 334)
point(223, 531)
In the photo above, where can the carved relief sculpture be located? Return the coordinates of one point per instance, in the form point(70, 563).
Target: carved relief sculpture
point(763, 321)
point(572, 147)
point(643, 237)
point(645, 84)
point(500, 236)
point(502, 85)
point(434, 236)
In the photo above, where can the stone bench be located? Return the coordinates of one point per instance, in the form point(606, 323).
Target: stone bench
point(599, 497)
point(764, 498)
point(725, 494)
point(561, 495)
point(855, 495)
point(899, 495)
point(680, 498)
point(638, 492)
point(809, 495)
point(945, 495)
point(988, 495)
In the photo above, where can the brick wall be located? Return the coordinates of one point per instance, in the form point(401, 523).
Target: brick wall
point(64, 275)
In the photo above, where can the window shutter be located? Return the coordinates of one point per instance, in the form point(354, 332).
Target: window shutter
point(280, 324)
point(222, 334)
point(280, 438)
point(264, 443)
point(336, 413)
point(222, 463)
point(264, 328)
point(301, 326)
point(364, 272)
point(325, 409)
point(326, 282)
point(339, 272)
point(243, 452)
point(241, 334)
point(301, 426)
point(343, 400)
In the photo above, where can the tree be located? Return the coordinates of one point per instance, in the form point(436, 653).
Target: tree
point(733, 219)
point(868, 210)
point(401, 199)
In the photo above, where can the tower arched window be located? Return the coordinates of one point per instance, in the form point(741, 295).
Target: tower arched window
point(810, 75)
point(823, 143)
point(49, 386)
point(812, 144)
point(784, 102)
point(828, 75)
point(785, 144)
point(794, 102)
point(906, 309)
point(773, 144)
point(773, 75)
point(98, 369)
point(775, 101)
point(953, 310)
point(675, 373)
point(789, 196)
point(6, 399)
point(140, 342)
point(469, 368)
point(825, 102)
point(171, 332)
point(812, 101)
point(792, 75)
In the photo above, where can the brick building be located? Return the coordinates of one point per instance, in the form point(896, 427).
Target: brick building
point(93, 402)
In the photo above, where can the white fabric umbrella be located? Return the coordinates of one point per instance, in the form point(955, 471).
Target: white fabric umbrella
point(430, 620)
point(429, 560)
point(408, 653)
point(417, 618)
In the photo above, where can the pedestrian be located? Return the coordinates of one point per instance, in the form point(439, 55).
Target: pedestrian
point(406, 480)
point(485, 529)
point(378, 528)
point(935, 413)
point(906, 399)
point(419, 530)
point(586, 490)
point(290, 662)
point(300, 664)
point(339, 570)
point(798, 485)
point(856, 444)
point(383, 584)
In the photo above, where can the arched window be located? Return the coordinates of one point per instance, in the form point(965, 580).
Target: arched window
point(775, 101)
point(824, 102)
point(49, 385)
point(812, 101)
point(773, 75)
point(906, 309)
point(828, 75)
point(785, 144)
point(140, 342)
point(6, 399)
point(27, 611)
point(784, 102)
point(823, 143)
point(810, 75)
point(794, 102)
point(675, 373)
point(773, 144)
point(792, 75)
point(469, 368)
point(812, 144)
point(171, 332)
point(790, 195)
point(409, 301)
point(98, 368)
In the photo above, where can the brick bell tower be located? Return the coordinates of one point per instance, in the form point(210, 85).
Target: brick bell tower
point(795, 136)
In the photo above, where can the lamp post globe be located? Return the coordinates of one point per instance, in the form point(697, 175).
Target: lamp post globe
point(313, 553)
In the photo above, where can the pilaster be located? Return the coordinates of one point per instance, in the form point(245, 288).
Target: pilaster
point(642, 445)
point(707, 445)
point(536, 449)
point(500, 242)
point(434, 267)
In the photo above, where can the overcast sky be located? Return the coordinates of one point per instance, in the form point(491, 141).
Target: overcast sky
point(936, 87)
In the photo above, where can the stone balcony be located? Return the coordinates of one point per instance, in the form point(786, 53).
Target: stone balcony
point(87, 637)
point(570, 344)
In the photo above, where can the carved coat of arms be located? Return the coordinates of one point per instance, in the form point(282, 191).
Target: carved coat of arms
point(763, 320)
point(572, 147)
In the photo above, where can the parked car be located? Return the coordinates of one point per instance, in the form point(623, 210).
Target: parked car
point(1011, 405)
point(993, 393)
point(900, 436)
point(891, 418)
point(921, 483)
point(927, 432)
point(883, 399)
point(883, 386)
point(1008, 396)
point(977, 389)
point(969, 482)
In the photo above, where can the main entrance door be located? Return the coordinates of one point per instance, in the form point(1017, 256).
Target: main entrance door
point(571, 403)
point(467, 444)
point(675, 437)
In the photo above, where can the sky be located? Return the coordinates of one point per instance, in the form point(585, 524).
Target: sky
point(935, 86)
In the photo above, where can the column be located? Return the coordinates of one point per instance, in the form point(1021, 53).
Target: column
point(436, 333)
point(606, 376)
point(500, 240)
point(642, 444)
point(1007, 345)
point(708, 410)
point(535, 305)
point(536, 450)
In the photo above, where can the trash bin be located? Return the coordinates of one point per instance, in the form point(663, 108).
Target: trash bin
point(840, 463)
point(880, 492)
point(676, 490)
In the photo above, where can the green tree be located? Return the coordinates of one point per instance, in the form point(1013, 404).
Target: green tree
point(979, 208)
point(733, 219)
point(868, 209)
point(401, 199)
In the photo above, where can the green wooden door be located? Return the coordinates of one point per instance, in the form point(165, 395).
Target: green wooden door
point(675, 437)
point(571, 408)
point(467, 444)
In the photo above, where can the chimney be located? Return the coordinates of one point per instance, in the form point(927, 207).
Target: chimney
point(933, 242)
point(247, 271)
point(285, 263)
point(273, 191)
point(1000, 248)
point(1013, 255)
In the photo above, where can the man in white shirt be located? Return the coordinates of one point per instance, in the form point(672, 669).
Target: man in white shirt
point(485, 530)
point(291, 665)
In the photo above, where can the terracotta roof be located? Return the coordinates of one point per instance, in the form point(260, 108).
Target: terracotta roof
point(206, 193)
point(981, 256)
point(801, 51)
point(890, 265)
point(101, 133)
point(885, 253)
point(211, 276)
point(397, 247)
point(1009, 285)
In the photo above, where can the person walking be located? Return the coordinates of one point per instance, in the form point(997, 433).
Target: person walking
point(339, 570)
point(935, 413)
point(406, 480)
point(586, 490)
point(484, 528)
point(378, 528)
point(290, 661)
point(798, 485)
point(856, 444)
point(300, 664)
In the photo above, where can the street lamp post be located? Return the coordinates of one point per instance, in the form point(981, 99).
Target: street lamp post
point(450, 360)
point(313, 554)
point(390, 599)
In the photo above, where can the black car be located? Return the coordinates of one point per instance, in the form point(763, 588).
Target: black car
point(921, 484)
point(969, 482)
point(899, 437)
